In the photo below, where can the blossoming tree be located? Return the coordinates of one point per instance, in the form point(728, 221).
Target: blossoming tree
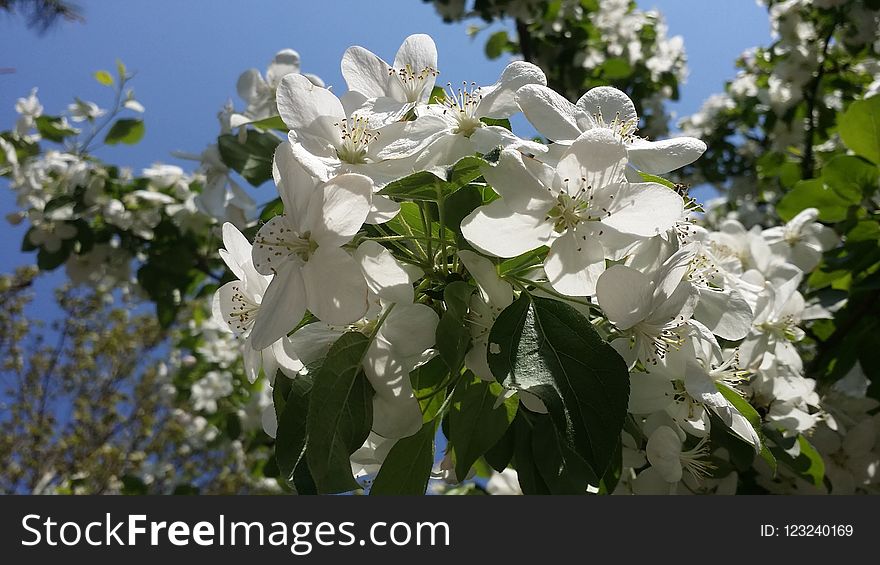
point(435, 296)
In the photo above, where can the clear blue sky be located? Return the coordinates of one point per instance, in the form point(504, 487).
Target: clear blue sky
point(188, 55)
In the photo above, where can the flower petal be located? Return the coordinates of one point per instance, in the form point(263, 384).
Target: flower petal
point(338, 209)
point(386, 276)
point(335, 287)
point(365, 72)
point(608, 103)
point(552, 115)
point(574, 264)
point(624, 294)
point(646, 209)
point(496, 292)
point(282, 308)
point(499, 100)
point(660, 157)
point(516, 184)
point(300, 102)
point(596, 159)
point(496, 230)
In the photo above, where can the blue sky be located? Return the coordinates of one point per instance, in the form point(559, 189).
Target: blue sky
point(188, 55)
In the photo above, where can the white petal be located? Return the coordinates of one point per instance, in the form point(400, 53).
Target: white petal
point(311, 343)
point(410, 329)
point(610, 104)
point(237, 252)
point(386, 276)
point(250, 85)
point(284, 357)
point(725, 312)
point(285, 62)
point(487, 138)
point(596, 159)
point(366, 73)
point(521, 190)
point(497, 292)
point(396, 412)
point(270, 251)
point(295, 185)
point(282, 308)
point(418, 51)
point(645, 209)
point(574, 264)
point(624, 295)
point(664, 450)
point(403, 139)
point(335, 286)
point(300, 102)
point(383, 209)
point(496, 230)
point(660, 157)
point(499, 100)
point(552, 115)
point(338, 209)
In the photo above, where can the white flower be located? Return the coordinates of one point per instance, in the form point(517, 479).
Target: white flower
point(259, 92)
point(302, 248)
point(604, 107)
point(327, 141)
point(504, 483)
point(390, 91)
point(29, 109)
point(667, 455)
point(654, 311)
point(802, 240)
point(237, 304)
point(83, 110)
point(582, 213)
point(456, 123)
point(209, 389)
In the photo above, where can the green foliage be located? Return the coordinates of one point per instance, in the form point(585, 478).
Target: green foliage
point(407, 468)
point(549, 349)
point(426, 186)
point(252, 158)
point(860, 128)
point(478, 420)
point(340, 414)
point(126, 130)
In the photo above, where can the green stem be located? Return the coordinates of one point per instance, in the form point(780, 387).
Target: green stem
point(427, 227)
point(443, 251)
point(550, 291)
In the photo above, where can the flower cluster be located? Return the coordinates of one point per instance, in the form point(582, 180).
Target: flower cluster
point(376, 232)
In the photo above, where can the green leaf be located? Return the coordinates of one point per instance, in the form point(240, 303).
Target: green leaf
point(814, 193)
point(340, 414)
point(744, 408)
point(647, 177)
point(104, 78)
point(126, 130)
point(291, 438)
point(407, 467)
point(461, 203)
point(475, 424)
point(120, 69)
point(251, 159)
point(49, 261)
point(530, 480)
point(273, 208)
point(499, 455)
point(616, 68)
point(562, 470)
point(425, 382)
point(275, 122)
point(503, 122)
point(427, 186)
point(453, 335)
point(850, 177)
point(438, 95)
point(497, 44)
point(550, 349)
point(53, 129)
point(809, 465)
point(859, 128)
